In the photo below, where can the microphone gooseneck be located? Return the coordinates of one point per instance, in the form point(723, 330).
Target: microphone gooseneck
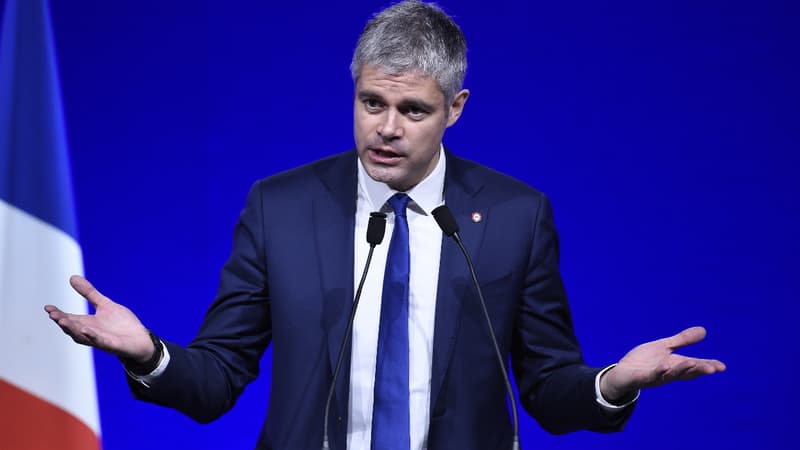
point(449, 227)
point(375, 231)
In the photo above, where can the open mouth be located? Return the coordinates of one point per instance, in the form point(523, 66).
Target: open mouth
point(383, 154)
point(387, 153)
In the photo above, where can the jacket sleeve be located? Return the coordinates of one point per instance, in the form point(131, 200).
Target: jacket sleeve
point(555, 385)
point(204, 379)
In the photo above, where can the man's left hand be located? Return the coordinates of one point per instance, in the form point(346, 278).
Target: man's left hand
point(654, 363)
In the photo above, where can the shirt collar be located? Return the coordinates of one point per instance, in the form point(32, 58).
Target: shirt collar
point(425, 196)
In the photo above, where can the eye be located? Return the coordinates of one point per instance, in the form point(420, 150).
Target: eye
point(415, 113)
point(372, 105)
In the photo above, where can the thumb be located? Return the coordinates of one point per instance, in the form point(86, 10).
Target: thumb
point(686, 337)
point(88, 291)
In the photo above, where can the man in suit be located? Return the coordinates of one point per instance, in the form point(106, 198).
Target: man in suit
point(299, 248)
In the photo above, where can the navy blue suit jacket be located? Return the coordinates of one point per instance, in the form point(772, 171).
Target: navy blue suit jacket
point(289, 282)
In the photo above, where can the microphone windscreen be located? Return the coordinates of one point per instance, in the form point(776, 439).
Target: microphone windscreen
point(445, 220)
point(376, 228)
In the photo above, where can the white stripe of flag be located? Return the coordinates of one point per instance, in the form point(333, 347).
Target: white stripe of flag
point(48, 396)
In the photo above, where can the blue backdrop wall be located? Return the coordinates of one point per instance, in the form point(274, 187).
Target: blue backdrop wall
point(665, 133)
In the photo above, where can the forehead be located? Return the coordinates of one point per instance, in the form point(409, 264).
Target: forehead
point(374, 80)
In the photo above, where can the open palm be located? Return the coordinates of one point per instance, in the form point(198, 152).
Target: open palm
point(112, 328)
point(655, 363)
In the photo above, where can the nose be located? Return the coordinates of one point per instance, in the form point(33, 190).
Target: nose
point(390, 128)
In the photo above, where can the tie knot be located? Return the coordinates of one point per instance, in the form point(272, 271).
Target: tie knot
point(399, 202)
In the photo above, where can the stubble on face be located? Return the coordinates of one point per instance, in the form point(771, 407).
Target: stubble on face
point(399, 121)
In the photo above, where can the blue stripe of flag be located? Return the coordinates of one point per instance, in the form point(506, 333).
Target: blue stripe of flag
point(34, 163)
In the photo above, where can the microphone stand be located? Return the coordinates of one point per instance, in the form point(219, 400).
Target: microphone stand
point(449, 226)
point(375, 231)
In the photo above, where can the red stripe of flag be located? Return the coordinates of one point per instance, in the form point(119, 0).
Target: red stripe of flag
point(30, 423)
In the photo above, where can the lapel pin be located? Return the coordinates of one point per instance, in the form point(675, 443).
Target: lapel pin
point(476, 217)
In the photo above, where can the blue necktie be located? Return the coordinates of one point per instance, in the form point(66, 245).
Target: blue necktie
point(390, 414)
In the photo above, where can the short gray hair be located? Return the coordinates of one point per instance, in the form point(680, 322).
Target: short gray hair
point(412, 36)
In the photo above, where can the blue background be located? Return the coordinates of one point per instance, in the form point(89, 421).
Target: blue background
point(665, 133)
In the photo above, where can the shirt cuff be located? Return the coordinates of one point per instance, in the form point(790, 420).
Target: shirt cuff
point(599, 395)
point(147, 380)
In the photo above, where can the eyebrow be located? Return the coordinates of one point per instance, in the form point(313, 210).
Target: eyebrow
point(366, 93)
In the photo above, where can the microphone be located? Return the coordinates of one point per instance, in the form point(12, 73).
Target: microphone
point(375, 231)
point(449, 227)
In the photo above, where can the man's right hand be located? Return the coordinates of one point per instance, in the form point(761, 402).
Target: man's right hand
point(112, 328)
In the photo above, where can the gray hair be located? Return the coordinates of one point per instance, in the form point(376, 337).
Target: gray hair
point(412, 36)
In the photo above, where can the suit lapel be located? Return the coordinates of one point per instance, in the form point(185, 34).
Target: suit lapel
point(455, 284)
point(334, 225)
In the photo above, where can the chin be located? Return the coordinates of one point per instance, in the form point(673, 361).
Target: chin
point(379, 174)
point(382, 175)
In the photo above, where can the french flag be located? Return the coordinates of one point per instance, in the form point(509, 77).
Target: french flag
point(48, 398)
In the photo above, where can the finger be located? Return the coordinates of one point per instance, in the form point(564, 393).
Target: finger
point(49, 309)
point(87, 335)
point(82, 336)
point(87, 290)
point(686, 337)
point(690, 368)
point(73, 325)
point(54, 313)
point(76, 327)
point(681, 371)
point(69, 323)
point(69, 327)
point(709, 366)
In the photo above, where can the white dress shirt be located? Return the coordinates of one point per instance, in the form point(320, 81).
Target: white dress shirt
point(425, 243)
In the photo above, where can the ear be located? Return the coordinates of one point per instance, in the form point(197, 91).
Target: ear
point(457, 106)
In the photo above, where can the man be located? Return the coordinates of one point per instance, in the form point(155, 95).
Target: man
point(299, 250)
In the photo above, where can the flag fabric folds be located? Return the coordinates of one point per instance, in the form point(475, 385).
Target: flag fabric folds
point(48, 397)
